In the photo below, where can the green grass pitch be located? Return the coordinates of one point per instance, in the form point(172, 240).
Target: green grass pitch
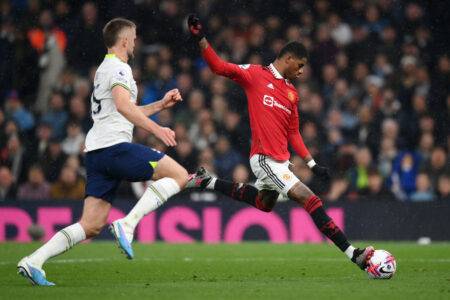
point(98, 270)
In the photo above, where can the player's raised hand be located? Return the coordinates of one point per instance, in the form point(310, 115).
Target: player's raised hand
point(171, 98)
point(322, 172)
point(166, 135)
point(195, 27)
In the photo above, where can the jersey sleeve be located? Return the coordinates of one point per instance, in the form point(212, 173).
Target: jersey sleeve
point(121, 76)
point(295, 138)
point(238, 73)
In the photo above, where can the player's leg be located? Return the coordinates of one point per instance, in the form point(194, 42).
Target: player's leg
point(263, 199)
point(93, 219)
point(301, 194)
point(169, 178)
point(140, 163)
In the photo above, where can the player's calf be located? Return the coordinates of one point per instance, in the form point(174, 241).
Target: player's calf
point(263, 200)
point(313, 205)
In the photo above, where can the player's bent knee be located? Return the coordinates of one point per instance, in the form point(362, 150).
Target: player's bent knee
point(268, 199)
point(167, 167)
point(300, 193)
point(181, 177)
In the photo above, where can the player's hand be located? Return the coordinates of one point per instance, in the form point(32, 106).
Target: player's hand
point(171, 98)
point(195, 27)
point(322, 172)
point(166, 135)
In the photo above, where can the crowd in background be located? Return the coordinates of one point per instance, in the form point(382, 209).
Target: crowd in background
point(374, 98)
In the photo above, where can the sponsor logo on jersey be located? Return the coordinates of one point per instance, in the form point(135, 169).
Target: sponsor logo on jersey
point(245, 67)
point(270, 86)
point(271, 102)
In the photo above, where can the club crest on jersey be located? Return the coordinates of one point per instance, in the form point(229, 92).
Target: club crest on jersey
point(286, 176)
point(291, 96)
point(270, 86)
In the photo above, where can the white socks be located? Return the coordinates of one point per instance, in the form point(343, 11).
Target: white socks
point(62, 241)
point(155, 196)
point(349, 251)
point(211, 183)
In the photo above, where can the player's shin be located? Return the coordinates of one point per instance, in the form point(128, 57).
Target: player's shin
point(62, 241)
point(327, 226)
point(155, 196)
point(241, 192)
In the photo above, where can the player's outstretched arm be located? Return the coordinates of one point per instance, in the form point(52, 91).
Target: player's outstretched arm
point(214, 61)
point(133, 114)
point(171, 98)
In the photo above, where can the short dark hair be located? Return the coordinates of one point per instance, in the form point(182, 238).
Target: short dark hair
point(112, 29)
point(295, 48)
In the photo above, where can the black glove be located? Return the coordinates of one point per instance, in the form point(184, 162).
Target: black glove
point(321, 172)
point(195, 27)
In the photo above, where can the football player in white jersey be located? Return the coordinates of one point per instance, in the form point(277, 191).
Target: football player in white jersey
point(112, 157)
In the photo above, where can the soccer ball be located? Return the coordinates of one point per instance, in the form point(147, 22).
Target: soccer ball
point(382, 265)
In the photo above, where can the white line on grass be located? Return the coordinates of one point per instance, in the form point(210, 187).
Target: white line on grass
point(231, 259)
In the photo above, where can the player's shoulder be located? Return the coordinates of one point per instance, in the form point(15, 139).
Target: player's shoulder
point(120, 66)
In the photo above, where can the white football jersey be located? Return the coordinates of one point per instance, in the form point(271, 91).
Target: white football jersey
point(110, 127)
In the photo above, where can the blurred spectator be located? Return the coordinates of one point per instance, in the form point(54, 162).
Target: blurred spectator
point(79, 113)
point(36, 188)
point(438, 164)
point(83, 52)
point(426, 144)
point(8, 188)
point(424, 190)
point(338, 189)
point(444, 187)
point(68, 185)
point(55, 159)
point(18, 113)
point(388, 151)
point(376, 189)
point(226, 159)
point(74, 140)
point(404, 173)
point(56, 116)
point(359, 174)
point(13, 156)
point(39, 145)
point(50, 42)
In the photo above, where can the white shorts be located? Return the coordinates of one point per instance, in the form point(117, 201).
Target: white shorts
point(272, 174)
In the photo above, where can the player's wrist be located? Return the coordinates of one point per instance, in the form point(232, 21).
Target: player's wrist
point(311, 163)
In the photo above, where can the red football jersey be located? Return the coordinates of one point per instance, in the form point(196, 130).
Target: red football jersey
point(272, 105)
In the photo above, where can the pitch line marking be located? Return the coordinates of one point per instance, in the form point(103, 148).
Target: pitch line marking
point(214, 259)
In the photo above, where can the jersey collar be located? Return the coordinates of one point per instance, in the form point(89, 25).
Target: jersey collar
point(112, 55)
point(275, 72)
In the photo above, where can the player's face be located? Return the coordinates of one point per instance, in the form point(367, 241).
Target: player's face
point(295, 67)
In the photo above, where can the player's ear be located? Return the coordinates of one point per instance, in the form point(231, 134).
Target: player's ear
point(289, 58)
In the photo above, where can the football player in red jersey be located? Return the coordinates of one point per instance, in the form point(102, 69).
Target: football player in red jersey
point(273, 110)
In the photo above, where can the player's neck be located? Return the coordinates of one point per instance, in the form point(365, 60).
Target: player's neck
point(278, 66)
point(122, 55)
